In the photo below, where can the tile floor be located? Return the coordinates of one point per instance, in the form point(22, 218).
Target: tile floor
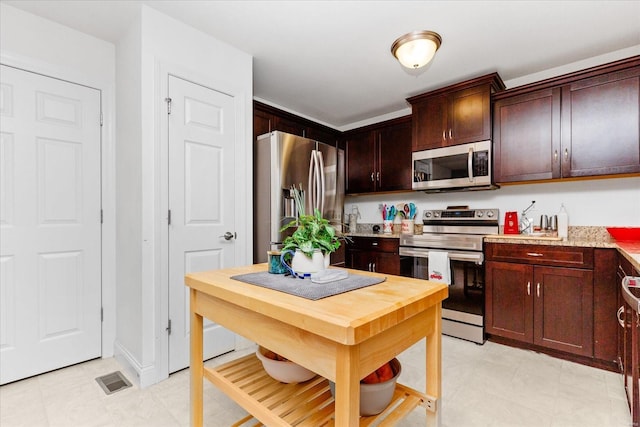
point(489, 385)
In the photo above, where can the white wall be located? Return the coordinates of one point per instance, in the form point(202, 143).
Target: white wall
point(36, 44)
point(50, 44)
point(129, 194)
point(602, 202)
point(156, 46)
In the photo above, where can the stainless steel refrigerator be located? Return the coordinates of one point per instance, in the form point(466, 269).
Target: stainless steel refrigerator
point(282, 160)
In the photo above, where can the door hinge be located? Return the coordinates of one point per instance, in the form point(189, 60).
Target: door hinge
point(101, 118)
point(101, 314)
point(168, 101)
point(101, 216)
point(169, 216)
point(169, 327)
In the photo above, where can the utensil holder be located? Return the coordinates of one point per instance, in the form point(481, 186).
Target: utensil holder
point(407, 226)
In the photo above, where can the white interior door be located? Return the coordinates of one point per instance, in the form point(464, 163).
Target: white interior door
point(50, 241)
point(201, 201)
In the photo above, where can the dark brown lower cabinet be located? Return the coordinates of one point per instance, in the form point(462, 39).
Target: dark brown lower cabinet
point(629, 340)
point(373, 254)
point(546, 306)
point(555, 299)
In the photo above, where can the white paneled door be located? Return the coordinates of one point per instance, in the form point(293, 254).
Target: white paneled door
point(50, 259)
point(201, 202)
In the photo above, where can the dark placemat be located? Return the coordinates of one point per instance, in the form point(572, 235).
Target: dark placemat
point(305, 288)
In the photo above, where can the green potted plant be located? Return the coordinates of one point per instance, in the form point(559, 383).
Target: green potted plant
point(314, 238)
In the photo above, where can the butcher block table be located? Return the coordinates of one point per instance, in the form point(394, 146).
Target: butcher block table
point(342, 338)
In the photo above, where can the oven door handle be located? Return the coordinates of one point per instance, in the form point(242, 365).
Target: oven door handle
point(477, 257)
point(629, 297)
point(470, 164)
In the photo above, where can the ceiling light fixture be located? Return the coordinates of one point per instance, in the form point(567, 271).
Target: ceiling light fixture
point(416, 49)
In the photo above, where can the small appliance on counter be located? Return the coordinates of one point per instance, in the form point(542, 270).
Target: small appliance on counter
point(511, 224)
point(526, 222)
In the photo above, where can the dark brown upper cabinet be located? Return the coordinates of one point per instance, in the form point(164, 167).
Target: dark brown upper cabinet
point(267, 119)
point(601, 125)
point(454, 115)
point(526, 135)
point(577, 125)
point(379, 157)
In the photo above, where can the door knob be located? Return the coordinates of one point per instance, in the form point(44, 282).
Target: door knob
point(229, 235)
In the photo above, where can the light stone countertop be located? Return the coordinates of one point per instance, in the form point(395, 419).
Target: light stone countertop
point(372, 234)
point(583, 236)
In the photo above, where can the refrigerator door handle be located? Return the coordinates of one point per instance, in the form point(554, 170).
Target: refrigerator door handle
point(316, 178)
point(310, 185)
point(322, 184)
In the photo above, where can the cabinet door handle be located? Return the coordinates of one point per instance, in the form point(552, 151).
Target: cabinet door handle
point(374, 244)
point(555, 155)
point(444, 135)
point(374, 267)
point(372, 176)
point(619, 316)
point(528, 288)
point(538, 290)
point(566, 154)
point(378, 176)
point(450, 137)
point(534, 254)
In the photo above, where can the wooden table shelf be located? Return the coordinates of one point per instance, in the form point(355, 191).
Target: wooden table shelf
point(305, 404)
point(342, 338)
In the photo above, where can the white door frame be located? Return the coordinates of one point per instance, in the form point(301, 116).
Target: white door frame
point(243, 178)
point(108, 196)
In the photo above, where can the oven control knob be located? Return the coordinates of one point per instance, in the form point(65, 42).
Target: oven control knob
point(489, 214)
point(427, 214)
point(479, 214)
point(436, 214)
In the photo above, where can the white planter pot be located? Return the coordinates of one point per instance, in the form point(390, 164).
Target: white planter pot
point(302, 264)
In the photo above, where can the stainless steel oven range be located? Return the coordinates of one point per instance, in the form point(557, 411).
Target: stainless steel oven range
point(458, 231)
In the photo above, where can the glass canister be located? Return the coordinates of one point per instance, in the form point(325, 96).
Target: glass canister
point(274, 263)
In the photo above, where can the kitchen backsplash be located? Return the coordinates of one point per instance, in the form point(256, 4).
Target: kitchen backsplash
point(603, 202)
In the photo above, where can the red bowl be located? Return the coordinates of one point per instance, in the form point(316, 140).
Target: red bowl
point(625, 234)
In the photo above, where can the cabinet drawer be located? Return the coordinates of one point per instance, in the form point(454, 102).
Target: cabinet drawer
point(374, 244)
point(561, 256)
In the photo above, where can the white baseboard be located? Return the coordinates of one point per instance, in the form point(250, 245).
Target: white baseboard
point(143, 376)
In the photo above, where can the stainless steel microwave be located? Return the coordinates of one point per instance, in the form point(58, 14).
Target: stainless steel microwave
point(458, 167)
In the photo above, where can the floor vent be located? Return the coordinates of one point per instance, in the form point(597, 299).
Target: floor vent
point(113, 382)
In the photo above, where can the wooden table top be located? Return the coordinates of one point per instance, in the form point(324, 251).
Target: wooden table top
point(348, 318)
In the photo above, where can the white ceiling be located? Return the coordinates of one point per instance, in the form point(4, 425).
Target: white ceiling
point(331, 61)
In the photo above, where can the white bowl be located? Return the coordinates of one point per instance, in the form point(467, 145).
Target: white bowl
point(284, 371)
point(374, 398)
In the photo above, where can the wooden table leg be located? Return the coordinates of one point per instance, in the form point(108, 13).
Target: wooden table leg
point(434, 369)
point(347, 400)
point(196, 366)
